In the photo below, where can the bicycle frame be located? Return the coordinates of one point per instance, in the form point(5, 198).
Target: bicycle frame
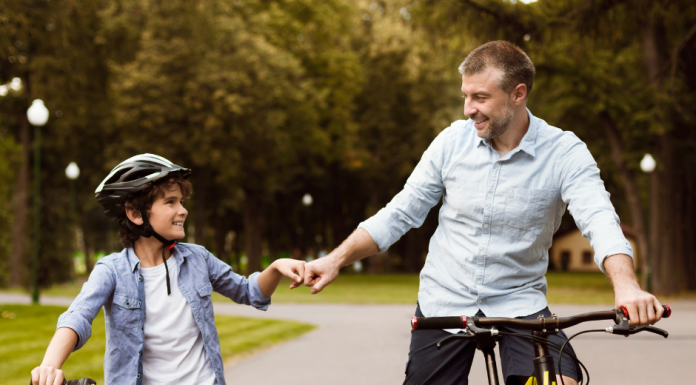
point(544, 370)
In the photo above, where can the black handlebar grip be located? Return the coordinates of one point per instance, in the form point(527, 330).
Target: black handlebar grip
point(668, 311)
point(422, 323)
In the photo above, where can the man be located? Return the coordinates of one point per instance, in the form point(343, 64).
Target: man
point(506, 178)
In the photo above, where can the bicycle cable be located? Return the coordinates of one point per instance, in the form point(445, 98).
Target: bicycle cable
point(560, 353)
point(557, 346)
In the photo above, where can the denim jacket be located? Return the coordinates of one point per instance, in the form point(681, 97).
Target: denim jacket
point(116, 284)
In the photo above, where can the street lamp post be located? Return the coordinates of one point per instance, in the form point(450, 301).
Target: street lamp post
point(37, 115)
point(73, 172)
point(647, 164)
point(307, 201)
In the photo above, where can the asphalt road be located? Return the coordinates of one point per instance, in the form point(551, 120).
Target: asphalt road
point(368, 344)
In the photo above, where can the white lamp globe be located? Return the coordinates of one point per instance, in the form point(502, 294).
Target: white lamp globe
point(647, 164)
point(72, 171)
point(307, 200)
point(37, 113)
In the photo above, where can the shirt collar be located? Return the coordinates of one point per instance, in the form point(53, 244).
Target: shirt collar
point(528, 140)
point(178, 252)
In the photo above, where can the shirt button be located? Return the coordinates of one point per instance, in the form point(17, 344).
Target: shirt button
point(138, 303)
point(479, 301)
point(485, 225)
point(140, 352)
point(478, 283)
point(489, 195)
point(497, 164)
point(138, 375)
point(140, 279)
point(482, 253)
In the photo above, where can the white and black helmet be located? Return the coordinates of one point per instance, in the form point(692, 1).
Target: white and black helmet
point(131, 176)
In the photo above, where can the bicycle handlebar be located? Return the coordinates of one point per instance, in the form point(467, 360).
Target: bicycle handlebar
point(82, 381)
point(541, 324)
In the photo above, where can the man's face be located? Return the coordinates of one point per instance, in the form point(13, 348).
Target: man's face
point(168, 214)
point(487, 104)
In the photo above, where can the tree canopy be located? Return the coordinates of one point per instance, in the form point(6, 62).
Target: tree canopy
point(269, 100)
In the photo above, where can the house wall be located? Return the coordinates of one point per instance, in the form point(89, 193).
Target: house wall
point(575, 245)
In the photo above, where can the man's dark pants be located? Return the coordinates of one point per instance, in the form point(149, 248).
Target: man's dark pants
point(451, 364)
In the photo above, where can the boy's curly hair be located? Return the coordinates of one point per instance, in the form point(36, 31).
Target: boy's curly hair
point(148, 195)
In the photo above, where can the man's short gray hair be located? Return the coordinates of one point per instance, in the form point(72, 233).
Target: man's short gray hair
point(515, 65)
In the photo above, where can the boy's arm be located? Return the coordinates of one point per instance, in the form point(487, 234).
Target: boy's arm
point(62, 344)
point(75, 326)
point(249, 291)
point(93, 296)
point(270, 278)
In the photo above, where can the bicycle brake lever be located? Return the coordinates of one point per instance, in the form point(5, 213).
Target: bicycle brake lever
point(452, 338)
point(623, 327)
point(636, 329)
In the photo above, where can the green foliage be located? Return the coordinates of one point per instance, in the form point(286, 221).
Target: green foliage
point(25, 332)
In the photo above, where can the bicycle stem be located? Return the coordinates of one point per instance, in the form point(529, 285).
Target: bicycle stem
point(544, 368)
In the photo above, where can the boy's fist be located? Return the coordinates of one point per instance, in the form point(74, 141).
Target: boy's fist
point(291, 268)
point(47, 375)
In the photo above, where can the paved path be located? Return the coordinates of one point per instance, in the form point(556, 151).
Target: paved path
point(368, 344)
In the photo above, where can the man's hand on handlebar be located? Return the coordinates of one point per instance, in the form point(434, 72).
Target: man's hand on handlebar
point(643, 308)
point(47, 375)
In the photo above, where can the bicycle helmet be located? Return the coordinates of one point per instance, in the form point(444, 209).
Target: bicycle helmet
point(131, 177)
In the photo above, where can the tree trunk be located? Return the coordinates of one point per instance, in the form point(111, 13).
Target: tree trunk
point(662, 181)
point(253, 229)
point(200, 218)
point(370, 263)
point(662, 207)
point(220, 234)
point(19, 206)
point(631, 189)
point(237, 250)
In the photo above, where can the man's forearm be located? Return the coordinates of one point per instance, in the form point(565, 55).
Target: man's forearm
point(619, 269)
point(643, 308)
point(357, 246)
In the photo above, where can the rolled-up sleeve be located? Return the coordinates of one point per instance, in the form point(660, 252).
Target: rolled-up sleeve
point(588, 201)
point(409, 208)
point(234, 286)
point(86, 306)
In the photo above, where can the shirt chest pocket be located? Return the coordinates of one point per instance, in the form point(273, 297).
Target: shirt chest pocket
point(525, 212)
point(126, 312)
point(205, 292)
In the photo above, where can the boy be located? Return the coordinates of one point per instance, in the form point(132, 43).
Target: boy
point(156, 294)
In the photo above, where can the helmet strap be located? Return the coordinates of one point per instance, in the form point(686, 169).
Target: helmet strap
point(146, 230)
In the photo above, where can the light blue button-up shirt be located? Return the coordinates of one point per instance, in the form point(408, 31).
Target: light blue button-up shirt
point(498, 216)
point(116, 284)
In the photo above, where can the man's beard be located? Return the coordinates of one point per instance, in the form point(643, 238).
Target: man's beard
point(497, 125)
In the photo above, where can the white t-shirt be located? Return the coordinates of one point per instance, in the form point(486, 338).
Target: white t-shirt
point(173, 352)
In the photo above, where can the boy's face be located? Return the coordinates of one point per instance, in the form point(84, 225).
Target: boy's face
point(168, 214)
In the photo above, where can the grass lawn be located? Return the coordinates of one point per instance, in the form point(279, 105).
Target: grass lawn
point(354, 289)
point(25, 332)
point(564, 288)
